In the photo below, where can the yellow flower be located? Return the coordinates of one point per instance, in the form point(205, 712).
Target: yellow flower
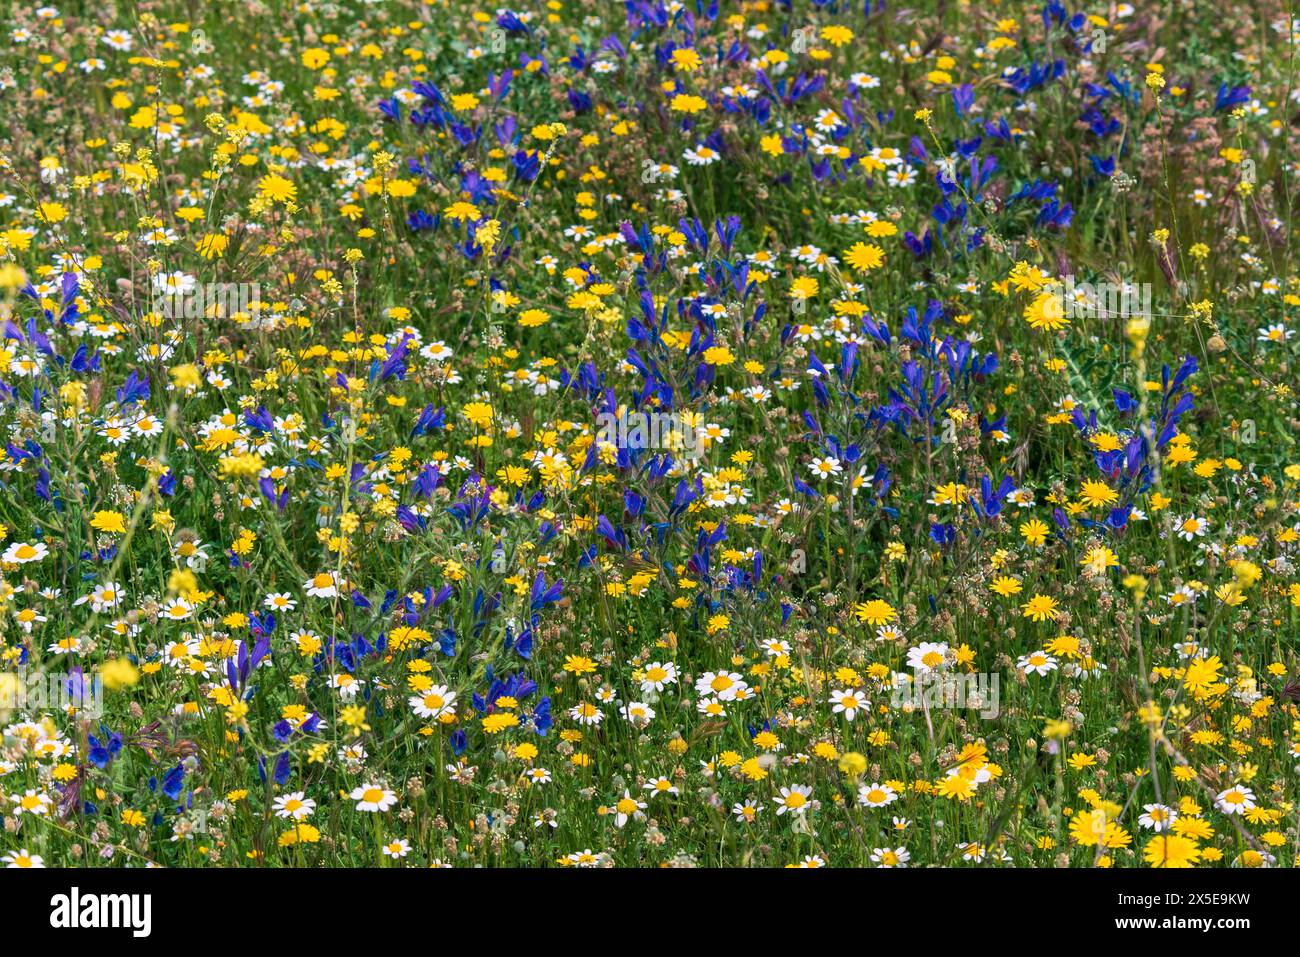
point(836, 34)
point(1171, 850)
point(525, 751)
point(462, 211)
point(498, 722)
point(479, 414)
point(51, 213)
point(1098, 493)
point(354, 717)
point(1040, 608)
point(578, 665)
point(1202, 673)
point(1006, 586)
point(875, 612)
point(247, 465)
point(299, 834)
point(957, 787)
point(865, 256)
point(686, 60)
point(1047, 312)
point(688, 103)
point(119, 673)
point(277, 189)
point(186, 376)
point(1098, 559)
point(1088, 827)
point(314, 58)
point(1034, 532)
point(1056, 729)
point(109, 522)
point(805, 287)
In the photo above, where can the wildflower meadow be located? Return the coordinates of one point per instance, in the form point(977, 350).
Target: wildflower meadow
point(663, 433)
